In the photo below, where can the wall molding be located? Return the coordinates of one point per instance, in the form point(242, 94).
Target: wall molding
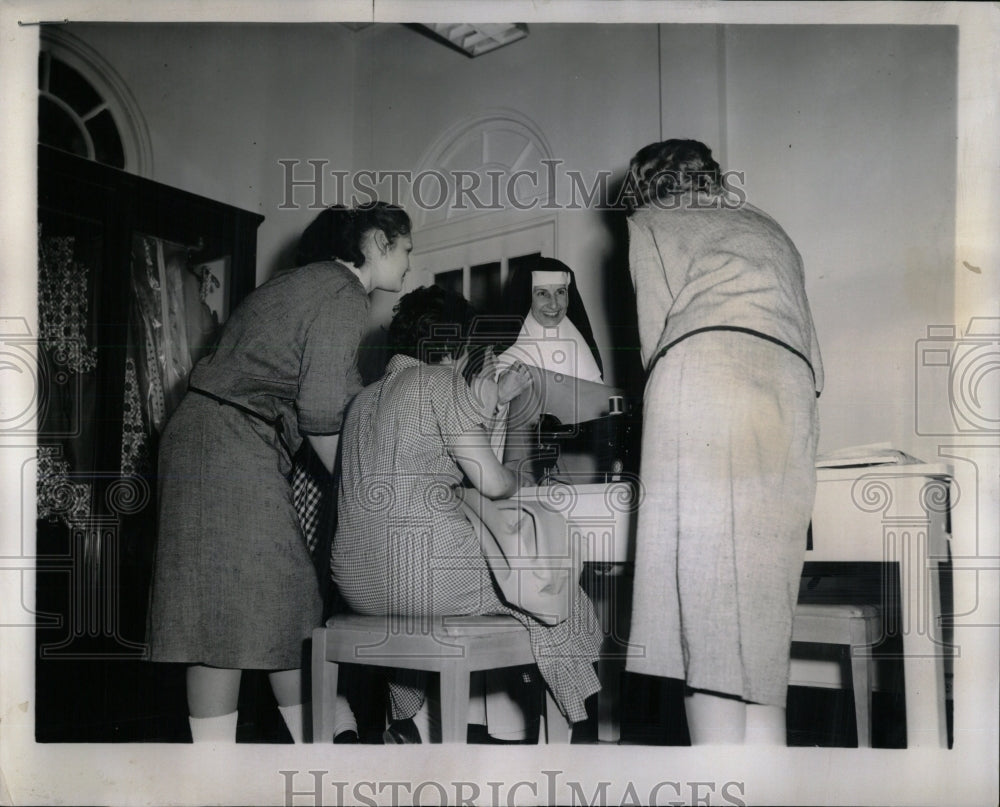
point(122, 105)
point(499, 141)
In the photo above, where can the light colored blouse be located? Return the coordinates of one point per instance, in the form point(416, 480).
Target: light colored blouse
point(703, 263)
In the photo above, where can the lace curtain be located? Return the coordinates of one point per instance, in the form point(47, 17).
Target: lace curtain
point(170, 328)
point(67, 360)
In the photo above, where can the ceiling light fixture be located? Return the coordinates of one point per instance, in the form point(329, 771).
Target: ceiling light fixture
point(475, 40)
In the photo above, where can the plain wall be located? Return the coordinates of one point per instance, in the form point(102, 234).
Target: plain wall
point(845, 134)
point(225, 103)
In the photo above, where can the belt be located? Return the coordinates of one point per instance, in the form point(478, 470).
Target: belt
point(277, 423)
point(736, 329)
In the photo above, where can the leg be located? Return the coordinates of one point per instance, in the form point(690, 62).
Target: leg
point(604, 595)
point(923, 654)
point(557, 729)
point(765, 725)
point(212, 691)
point(324, 689)
point(860, 651)
point(212, 695)
point(715, 720)
point(287, 687)
point(454, 703)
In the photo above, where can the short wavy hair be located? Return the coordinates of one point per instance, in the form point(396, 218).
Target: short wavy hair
point(669, 168)
point(431, 323)
point(338, 232)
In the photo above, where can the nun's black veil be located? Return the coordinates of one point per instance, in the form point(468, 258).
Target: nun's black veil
point(516, 303)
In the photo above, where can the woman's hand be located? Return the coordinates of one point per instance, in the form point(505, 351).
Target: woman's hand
point(484, 386)
point(512, 382)
point(492, 391)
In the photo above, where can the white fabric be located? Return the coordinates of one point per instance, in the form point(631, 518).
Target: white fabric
point(543, 278)
point(343, 717)
point(221, 729)
point(561, 350)
point(292, 715)
point(729, 437)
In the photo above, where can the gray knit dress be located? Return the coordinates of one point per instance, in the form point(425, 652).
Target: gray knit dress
point(233, 583)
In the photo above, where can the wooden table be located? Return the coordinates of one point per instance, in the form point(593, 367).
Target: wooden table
point(898, 516)
point(894, 515)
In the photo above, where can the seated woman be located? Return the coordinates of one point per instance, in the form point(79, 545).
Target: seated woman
point(403, 545)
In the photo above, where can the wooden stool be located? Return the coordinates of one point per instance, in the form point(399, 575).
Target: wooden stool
point(859, 628)
point(453, 647)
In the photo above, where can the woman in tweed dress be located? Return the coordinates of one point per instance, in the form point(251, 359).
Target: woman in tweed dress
point(728, 446)
point(233, 584)
point(403, 545)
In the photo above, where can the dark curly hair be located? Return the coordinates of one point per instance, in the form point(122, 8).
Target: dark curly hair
point(662, 170)
point(338, 232)
point(430, 323)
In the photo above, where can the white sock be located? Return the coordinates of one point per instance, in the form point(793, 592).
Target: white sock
point(765, 725)
point(221, 729)
point(343, 717)
point(292, 715)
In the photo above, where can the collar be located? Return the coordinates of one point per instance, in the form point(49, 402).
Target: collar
point(400, 361)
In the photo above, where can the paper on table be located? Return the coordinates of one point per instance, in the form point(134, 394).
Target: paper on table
point(869, 454)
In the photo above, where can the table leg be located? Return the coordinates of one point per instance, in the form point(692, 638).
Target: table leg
point(604, 593)
point(923, 650)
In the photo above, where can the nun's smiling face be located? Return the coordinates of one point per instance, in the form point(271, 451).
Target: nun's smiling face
point(549, 303)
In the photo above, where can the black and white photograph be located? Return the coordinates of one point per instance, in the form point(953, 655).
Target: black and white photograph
point(601, 399)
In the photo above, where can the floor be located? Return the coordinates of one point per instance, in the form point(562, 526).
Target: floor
point(94, 687)
point(135, 701)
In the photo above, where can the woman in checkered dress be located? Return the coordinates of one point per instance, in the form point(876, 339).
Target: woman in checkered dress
point(403, 545)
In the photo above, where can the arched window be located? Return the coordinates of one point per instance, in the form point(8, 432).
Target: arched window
point(85, 108)
point(469, 247)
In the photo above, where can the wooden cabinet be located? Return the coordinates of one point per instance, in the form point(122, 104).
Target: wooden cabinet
point(135, 278)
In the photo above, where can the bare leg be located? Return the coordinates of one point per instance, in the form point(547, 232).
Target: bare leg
point(287, 686)
point(213, 695)
point(714, 720)
point(212, 691)
point(765, 725)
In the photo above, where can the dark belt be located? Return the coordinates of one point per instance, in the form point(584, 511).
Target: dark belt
point(736, 329)
point(276, 423)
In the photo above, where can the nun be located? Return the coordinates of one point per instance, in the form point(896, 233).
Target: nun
point(555, 331)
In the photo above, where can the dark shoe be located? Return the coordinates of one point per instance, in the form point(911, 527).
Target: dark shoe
point(349, 737)
point(401, 732)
